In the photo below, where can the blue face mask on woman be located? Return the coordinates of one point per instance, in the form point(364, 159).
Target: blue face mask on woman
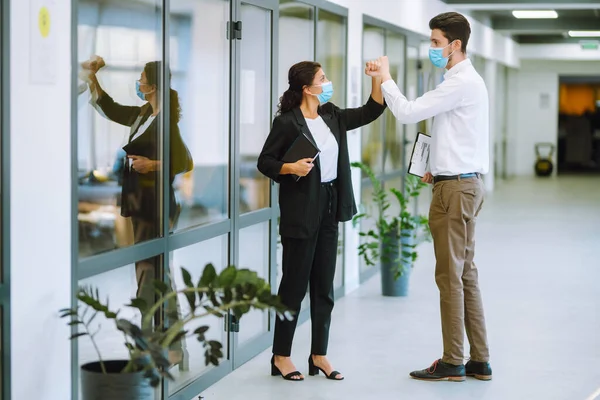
point(436, 56)
point(327, 92)
point(139, 92)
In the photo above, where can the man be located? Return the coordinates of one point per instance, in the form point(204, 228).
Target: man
point(459, 155)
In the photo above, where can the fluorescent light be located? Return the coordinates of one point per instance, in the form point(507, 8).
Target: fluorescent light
point(584, 33)
point(534, 14)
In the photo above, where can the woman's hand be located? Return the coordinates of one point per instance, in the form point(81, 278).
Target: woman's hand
point(142, 164)
point(301, 167)
point(379, 68)
point(372, 68)
point(93, 64)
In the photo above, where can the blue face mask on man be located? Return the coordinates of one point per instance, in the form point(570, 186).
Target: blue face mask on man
point(326, 94)
point(436, 56)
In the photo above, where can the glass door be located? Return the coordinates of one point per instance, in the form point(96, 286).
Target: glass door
point(255, 237)
point(4, 201)
point(382, 140)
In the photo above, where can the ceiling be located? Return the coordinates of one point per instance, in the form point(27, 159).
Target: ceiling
point(580, 15)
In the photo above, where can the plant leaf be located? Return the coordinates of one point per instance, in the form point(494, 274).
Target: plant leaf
point(160, 286)
point(76, 335)
point(201, 330)
point(139, 303)
point(227, 277)
point(208, 275)
point(187, 278)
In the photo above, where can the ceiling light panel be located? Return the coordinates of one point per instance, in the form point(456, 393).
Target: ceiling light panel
point(535, 14)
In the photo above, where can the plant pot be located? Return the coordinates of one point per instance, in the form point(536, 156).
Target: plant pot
point(390, 250)
point(390, 286)
point(113, 385)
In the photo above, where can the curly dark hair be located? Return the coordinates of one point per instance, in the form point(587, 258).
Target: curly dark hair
point(153, 70)
point(300, 75)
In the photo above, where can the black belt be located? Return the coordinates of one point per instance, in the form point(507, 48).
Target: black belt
point(330, 183)
point(440, 178)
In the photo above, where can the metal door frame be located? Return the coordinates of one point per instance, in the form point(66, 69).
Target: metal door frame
point(5, 360)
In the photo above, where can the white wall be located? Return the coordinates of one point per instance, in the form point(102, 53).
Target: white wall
point(557, 51)
point(489, 75)
point(415, 15)
point(529, 121)
point(40, 209)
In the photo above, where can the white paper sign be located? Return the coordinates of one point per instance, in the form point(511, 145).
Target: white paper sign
point(247, 92)
point(419, 160)
point(43, 57)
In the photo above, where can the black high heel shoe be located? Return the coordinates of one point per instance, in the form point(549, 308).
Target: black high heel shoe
point(289, 377)
point(314, 370)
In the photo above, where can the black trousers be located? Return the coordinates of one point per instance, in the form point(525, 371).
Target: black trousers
point(311, 260)
point(150, 269)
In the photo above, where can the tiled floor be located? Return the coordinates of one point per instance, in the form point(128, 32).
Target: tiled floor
point(538, 252)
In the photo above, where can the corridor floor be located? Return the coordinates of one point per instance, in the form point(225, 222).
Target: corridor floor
point(538, 253)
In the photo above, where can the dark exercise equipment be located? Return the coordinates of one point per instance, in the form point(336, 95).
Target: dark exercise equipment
point(543, 164)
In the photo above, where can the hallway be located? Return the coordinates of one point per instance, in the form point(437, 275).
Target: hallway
point(537, 252)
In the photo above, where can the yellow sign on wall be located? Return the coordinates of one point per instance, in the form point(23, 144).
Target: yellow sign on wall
point(43, 45)
point(44, 22)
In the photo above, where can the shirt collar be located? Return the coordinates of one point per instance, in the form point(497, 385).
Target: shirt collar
point(461, 66)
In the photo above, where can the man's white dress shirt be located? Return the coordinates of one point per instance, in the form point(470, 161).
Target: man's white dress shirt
point(460, 132)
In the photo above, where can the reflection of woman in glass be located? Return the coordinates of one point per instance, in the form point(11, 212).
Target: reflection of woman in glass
point(140, 194)
point(313, 206)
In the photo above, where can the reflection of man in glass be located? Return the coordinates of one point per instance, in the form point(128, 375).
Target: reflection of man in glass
point(141, 197)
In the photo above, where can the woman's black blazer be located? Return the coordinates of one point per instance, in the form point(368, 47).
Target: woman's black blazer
point(140, 192)
point(299, 200)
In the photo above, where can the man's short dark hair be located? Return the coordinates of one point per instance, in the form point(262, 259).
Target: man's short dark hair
point(454, 26)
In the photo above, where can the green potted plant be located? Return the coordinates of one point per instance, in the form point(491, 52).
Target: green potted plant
point(395, 238)
point(233, 291)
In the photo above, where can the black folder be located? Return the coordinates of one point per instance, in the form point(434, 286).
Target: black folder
point(303, 147)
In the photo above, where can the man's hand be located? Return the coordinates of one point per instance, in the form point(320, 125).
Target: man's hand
point(384, 68)
point(427, 178)
point(142, 165)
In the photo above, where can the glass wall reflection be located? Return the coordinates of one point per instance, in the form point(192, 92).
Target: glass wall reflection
point(255, 105)
point(296, 20)
point(254, 254)
point(383, 144)
point(392, 149)
point(331, 52)
point(200, 63)
point(119, 286)
point(194, 258)
point(120, 124)
point(372, 139)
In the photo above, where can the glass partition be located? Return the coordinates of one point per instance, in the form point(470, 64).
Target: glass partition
point(383, 145)
point(331, 52)
point(172, 112)
point(119, 133)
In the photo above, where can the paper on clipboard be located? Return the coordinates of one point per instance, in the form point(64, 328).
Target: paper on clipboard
point(419, 159)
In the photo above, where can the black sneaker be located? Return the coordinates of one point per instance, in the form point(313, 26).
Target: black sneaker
point(441, 371)
point(479, 370)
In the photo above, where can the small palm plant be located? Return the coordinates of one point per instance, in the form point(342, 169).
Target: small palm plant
point(381, 243)
point(235, 291)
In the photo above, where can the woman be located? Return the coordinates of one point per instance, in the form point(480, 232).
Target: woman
point(312, 206)
point(141, 179)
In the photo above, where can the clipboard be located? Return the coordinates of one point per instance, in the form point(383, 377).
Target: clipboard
point(303, 147)
point(419, 158)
